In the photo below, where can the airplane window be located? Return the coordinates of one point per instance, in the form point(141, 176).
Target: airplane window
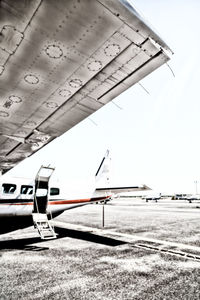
point(9, 188)
point(41, 192)
point(54, 191)
point(27, 189)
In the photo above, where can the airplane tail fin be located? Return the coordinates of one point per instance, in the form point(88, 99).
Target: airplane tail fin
point(102, 177)
point(103, 172)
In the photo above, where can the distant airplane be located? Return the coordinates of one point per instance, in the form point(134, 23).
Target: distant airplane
point(153, 197)
point(187, 197)
point(24, 202)
point(60, 61)
point(190, 198)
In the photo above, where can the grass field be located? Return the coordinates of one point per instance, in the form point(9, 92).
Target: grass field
point(81, 264)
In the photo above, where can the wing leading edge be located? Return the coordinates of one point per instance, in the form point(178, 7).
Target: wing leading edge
point(60, 61)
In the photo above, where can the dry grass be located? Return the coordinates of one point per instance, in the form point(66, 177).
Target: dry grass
point(70, 268)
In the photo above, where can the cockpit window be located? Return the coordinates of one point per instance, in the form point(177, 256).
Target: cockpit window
point(8, 188)
point(26, 190)
point(54, 191)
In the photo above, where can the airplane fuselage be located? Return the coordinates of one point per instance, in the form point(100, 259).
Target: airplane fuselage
point(21, 204)
point(17, 202)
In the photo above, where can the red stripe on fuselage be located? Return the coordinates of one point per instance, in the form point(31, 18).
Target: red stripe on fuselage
point(60, 202)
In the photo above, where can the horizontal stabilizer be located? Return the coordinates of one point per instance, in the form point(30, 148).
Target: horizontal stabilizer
point(117, 190)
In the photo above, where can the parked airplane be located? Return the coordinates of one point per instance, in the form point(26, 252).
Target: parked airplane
point(190, 198)
point(60, 61)
point(153, 197)
point(24, 202)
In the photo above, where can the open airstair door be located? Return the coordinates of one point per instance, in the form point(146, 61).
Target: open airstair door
point(40, 204)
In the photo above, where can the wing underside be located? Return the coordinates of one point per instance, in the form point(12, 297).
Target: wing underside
point(62, 60)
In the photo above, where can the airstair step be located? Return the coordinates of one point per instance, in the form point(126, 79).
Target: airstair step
point(40, 203)
point(41, 222)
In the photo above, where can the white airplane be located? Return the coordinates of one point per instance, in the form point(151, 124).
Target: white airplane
point(24, 202)
point(153, 197)
point(190, 198)
point(60, 61)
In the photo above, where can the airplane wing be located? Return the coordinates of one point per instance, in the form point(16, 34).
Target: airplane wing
point(62, 60)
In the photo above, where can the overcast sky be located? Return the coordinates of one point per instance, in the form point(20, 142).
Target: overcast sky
point(154, 139)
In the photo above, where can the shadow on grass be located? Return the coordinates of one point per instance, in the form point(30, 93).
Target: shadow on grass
point(26, 244)
point(22, 244)
point(87, 236)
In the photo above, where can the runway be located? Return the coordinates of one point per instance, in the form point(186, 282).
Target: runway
point(146, 251)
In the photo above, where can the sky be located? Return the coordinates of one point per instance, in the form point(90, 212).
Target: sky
point(153, 138)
